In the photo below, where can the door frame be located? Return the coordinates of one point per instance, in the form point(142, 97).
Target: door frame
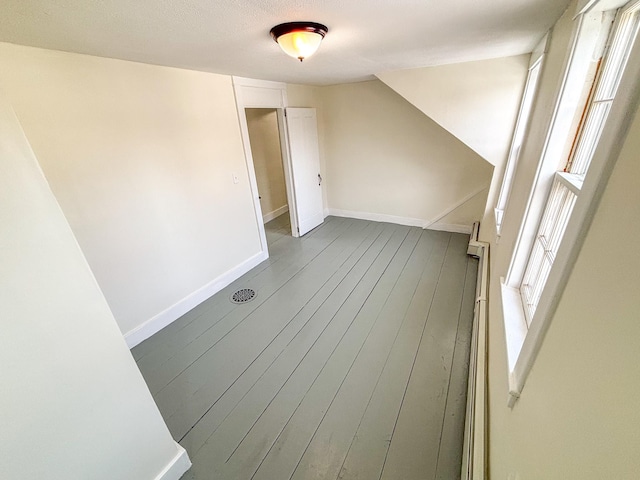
point(252, 93)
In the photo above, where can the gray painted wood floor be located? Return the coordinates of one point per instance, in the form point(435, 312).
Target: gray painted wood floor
point(350, 363)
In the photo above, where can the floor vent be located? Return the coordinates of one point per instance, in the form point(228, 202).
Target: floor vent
point(243, 295)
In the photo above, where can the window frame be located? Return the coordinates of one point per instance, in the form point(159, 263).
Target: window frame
point(524, 341)
point(527, 103)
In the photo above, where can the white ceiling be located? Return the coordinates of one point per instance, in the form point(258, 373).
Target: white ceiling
point(232, 37)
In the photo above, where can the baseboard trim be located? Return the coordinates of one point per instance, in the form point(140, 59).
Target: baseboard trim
point(436, 221)
point(164, 318)
point(267, 217)
point(450, 227)
point(408, 221)
point(176, 467)
point(376, 217)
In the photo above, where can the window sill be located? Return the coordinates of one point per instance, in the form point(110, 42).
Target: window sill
point(515, 329)
point(572, 181)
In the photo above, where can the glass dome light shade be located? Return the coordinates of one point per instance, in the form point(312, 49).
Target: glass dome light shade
point(299, 39)
point(300, 45)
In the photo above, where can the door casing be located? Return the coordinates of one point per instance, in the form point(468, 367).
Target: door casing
point(251, 93)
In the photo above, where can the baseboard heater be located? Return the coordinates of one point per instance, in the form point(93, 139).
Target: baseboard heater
point(475, 426)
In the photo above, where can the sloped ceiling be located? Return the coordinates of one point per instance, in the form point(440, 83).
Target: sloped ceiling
point(365, 37)
point(475, 101)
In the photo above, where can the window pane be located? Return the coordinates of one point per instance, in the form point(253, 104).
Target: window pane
point(608, 82)
point(554, 223)
point(617, 55)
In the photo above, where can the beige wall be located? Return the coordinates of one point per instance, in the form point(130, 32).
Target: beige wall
point(477, 102)
point(141, 159)
point(264, 137)
point(73, 403)
point(385, 157)
point(576, 417)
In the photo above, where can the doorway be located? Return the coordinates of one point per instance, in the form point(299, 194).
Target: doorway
point(266, 149)
point(298, 133)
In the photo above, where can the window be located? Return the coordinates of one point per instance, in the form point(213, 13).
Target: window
point(586, 130)
point(567, 185)
point(553, 224)
point(520, 129)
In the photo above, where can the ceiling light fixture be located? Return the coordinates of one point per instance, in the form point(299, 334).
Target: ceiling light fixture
point(299, 39)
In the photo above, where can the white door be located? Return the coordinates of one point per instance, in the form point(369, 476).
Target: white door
point(302, 131)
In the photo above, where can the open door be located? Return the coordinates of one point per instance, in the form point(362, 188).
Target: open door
point(302, 132)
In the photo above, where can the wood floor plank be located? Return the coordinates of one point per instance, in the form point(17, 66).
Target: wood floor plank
point(413, 451)
point(238, 347)
point(287, 349)
point(451, 443)
point(287, 253)
point(314, 381)
point(277, 228)
point(303, 424)
point(192, 342)
point(325, 452)
point(277, 252)
point(350, 364)
point(294, 351)
point(365, 456)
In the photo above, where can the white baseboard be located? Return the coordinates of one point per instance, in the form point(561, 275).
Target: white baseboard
point(176, 467)
point(164, 318)
point(450, 227)
point(377, 217)
point(411, 222)
point(457, 205)
point(267, 217)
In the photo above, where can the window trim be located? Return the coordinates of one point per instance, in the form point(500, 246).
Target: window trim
point(558, 130)
point(536, 65)
point(522, 349)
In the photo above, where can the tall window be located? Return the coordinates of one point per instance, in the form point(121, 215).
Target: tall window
point(567, 184)
point(586, 126)
point(520, 129)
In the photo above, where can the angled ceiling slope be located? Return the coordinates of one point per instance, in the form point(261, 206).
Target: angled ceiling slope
point(475, 101)
point(232, 37)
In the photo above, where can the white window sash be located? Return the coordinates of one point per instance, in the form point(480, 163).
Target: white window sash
point(555, 219)
point(524, 342)
point(566, 188)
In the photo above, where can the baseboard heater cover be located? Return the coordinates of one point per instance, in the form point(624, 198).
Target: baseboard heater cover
point(475, 428)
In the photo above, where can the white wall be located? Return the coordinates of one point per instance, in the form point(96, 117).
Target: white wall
point(577, 417)
point(141, 160)
point(386, 159)
point(264, 137)
point(73, 403)
point(477, 102)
